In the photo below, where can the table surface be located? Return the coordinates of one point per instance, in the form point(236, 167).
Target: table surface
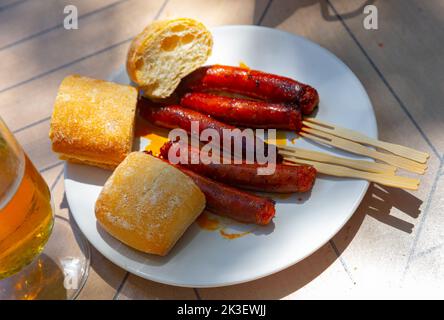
point(391, 247)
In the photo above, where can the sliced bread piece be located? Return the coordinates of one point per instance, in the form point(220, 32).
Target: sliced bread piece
point(165, 52)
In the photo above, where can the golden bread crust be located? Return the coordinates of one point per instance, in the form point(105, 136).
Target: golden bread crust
point(93, 121)
point(148, 204)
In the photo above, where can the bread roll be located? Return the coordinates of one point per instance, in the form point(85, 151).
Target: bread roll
point(148, 204)
point(93, 121)
point(165, 52)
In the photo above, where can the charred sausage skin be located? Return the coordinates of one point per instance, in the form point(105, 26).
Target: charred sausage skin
point(285, 179)
point(245, 112)
point(252, 83)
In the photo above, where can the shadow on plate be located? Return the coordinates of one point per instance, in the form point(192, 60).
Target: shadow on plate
point(88, 174)
point(145, 258)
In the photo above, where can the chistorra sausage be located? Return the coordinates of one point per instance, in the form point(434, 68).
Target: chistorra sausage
point(175, 116)
point(244, 112)
point(252, 83)
point(231, 202)
point(285, 179)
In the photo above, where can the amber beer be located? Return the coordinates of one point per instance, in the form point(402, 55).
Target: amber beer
point(26, 217)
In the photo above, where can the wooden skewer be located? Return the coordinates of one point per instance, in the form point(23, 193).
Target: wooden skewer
point(293, 152)
point(338, 171)
point(352, 135)
point(357, 148)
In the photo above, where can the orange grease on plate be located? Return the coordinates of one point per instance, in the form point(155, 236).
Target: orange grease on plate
point(206, 222)
point(281, 138)
point(243, 65)
point(156, 136)
point(231, 236)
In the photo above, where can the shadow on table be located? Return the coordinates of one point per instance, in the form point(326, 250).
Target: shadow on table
point(385, 198)
point(105, 269)
point(377, 203)
point(110, 272)
point(280, 10)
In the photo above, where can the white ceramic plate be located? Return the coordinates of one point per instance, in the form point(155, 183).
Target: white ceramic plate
point(303, 223)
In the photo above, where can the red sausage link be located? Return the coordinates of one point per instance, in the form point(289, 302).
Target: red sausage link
point(175, 116)
point(285, 179)
point(252, 83)
point(244, 112)
point(231, 202)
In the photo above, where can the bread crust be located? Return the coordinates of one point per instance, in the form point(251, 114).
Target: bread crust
point(93, 121)
point(148, 204)
point(148, 41)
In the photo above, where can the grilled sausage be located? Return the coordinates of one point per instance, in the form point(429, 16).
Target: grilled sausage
point(244, 112)
point(252, 83)
point(175, 116)
point(285, 179)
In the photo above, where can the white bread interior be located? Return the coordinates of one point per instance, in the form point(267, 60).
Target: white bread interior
point(165, 52)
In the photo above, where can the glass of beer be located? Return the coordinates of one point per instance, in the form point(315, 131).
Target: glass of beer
point(27, 219)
